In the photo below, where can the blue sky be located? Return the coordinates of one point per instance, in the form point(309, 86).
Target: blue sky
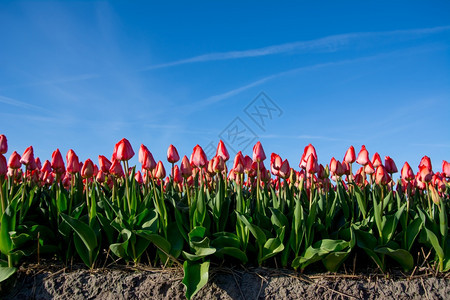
point(84, 74)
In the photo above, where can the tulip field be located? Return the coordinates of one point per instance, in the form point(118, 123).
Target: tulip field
point(261, 212)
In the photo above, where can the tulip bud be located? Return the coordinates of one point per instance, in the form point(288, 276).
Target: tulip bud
point(285, 169)
point(27, 156)
point(425, 162)
point(138, 177)
point(425, 174)
point(258, 152)
point(123, 150)
point(57, 162)
point(248, 162)
point(218, 164)
point(363, 156)
point(311, 164)
point(222, 151)
point(14, 161)
point(199, 157)
point(177, 175)
point(100, 177)
point(88, 169)
point(381, 175)
point(172, 154)
point(105, 164)
point(73, 164)
point(160, 172)
point(369, 168)
point(148, 162)
point(350, 156)
point(434, 195)
point(3, 168)
point(390, 166)
point(376, 160)
point(185, 167)
point(407, 173)
point(141, 153)
point(116, 169)
point(446, 168)
point(3, 144)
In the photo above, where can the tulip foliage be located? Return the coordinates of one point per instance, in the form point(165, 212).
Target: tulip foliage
point(259, 212)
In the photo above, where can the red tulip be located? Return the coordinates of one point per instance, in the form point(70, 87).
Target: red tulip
point(285, 169)
point(363, 156)
point(425, 174)
point(258, 152)
point(14, 161)
point(222, 151)
point(38, 163)
point(3, 144)
point(148, 162)
point(376, 160)
point(218, 164)
point(58, 162)
point(160, 172)
point(199, 157)
point(105, 164)
point(123, 150)
point(446, 168)
point(73, 164)
point(47, 167)
point(311, 164)
point(138, 177)
point(322, 174)
point(88, 169)
point(426, 162)
point(350, 156)
point(177, 175)
point(142, 151)
point(116, 169)
point(238, 165)
point(27, 156)
point(172, 154)
point(407, 173)
point(100, 176)
point(381, 176)
point(248, 162)
point(369, 168)
point(390, 166)
point(3, 168)
point(185, 167)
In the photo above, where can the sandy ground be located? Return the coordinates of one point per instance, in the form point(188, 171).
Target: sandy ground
point(224, 283)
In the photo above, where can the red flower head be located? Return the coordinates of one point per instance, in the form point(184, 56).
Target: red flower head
point(3, 144)
point(27, 157)
point(185, 168)
point(258, 152)
point(123, 150)
point(88, 169)
point(138, 177)
point(160, 172)
point(446, 168)
point(376, 160)
point(104, 163)
point(3, 168)
point(172, 154)
point(407, 173)
point(363, 156)
point(199, 157)
point(116, 169)
point(390, 166)
point(73, 164)
point(426, 162)
point(222, 151)
point(381, 176)
point(148, 162)
point(58, 162)
point(285, 169)
point(350, 156)
point(14, 161)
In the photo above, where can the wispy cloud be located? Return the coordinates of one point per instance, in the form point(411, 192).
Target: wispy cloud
point(329, 43)
point(17, 103)
point(68, 79)
point(300, 137)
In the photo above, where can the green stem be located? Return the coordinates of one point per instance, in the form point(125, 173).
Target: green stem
point(125, 165)
point(258, 201)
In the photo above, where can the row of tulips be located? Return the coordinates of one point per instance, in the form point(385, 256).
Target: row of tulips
point(257, 212)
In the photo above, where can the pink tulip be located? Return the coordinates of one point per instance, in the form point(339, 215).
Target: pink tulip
point(58, 162)
point(407, 173)
point(73, 164)
point(350, 156)
point(3, 168)
point(446, 168)
point(376, 160)
point(88, 169)
point(185, 167)
point(160, 172)
point(285, 169)
point(363, 156)
point(390, 166)
point(199, 157)
point(116, 169)
point(425, 162)
point(27, 156)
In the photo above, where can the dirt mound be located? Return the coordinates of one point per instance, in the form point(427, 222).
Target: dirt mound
point(224, 283)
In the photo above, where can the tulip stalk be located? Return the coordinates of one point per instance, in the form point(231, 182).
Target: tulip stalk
point(2, 194)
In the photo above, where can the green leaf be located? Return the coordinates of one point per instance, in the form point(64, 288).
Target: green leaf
point(8, 224)
point(6, 272)
point(433, 240)
point(271, 248)
point(255, 230)
point(360, 199)
point(86, 234)
point(412, 231)
point(232, 251)
point(334, 260)
point(403, 257)
point(195, 277)
point(120, 249)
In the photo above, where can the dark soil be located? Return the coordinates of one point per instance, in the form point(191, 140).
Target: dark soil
point(37, 282)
